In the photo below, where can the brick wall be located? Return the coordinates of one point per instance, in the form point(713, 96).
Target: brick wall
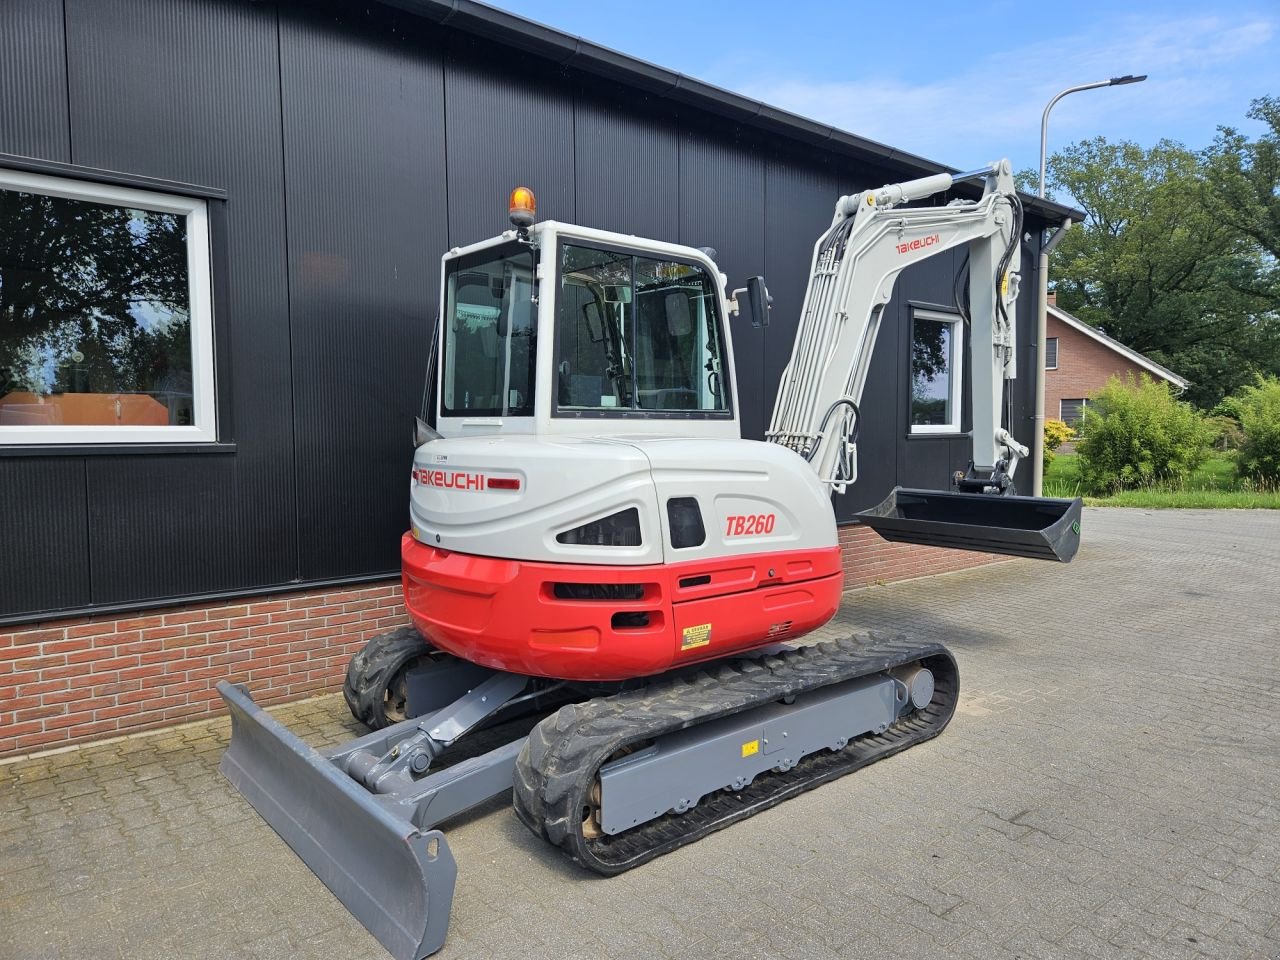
point(868, 560)
point(1084, 366)
point(86, 679)
point(67, 681)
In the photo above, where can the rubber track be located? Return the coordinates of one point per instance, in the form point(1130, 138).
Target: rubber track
point(558, 764)
point(371, 670)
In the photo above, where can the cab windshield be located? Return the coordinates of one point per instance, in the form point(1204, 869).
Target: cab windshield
point(490, 334)
point(637, 333)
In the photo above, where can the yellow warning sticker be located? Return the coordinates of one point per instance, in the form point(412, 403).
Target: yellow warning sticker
point(698, 636)
point(751, 748)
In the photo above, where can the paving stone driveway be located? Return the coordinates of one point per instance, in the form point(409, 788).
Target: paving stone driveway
point(1110, 787)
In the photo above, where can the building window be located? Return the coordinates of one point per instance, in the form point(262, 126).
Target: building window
point(937, 352)
point(106, 329)
point(1071, 412)
point(635, 333)
point(1051, 353)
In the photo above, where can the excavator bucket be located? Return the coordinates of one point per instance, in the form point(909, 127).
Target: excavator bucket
point(396, 879)
point(1042, 528)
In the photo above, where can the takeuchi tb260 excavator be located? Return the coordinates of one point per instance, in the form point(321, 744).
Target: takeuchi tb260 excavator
point(598, 559)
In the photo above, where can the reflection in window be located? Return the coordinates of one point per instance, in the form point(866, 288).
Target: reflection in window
point(490, 345)
point(936, 358)
point(1051, 353)
point(637, 333)
point(96, 314)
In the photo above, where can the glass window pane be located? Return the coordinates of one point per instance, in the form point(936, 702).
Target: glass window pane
point(932, 370)
point(1072, 411)
point(523, 340)
point(594, 317)
point(637, 333)
point(95, 314)
point(678, 343)
point(490, 345)
point(1051, 353)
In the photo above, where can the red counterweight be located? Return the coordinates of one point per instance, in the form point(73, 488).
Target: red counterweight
point(597, 622)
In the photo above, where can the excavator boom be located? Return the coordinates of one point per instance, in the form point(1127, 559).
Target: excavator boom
point(856, 264)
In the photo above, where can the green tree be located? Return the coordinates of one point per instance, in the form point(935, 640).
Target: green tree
point(1157, 266)
point(1244, 176)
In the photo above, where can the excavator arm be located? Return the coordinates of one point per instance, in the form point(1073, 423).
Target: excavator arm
point(856, 264)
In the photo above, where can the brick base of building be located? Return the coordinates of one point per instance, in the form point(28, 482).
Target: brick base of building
point(66, 681)
point(70, 681)
point(869, 560)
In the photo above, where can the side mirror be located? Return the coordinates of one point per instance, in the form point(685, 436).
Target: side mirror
point(758, 301)
point(423, 432)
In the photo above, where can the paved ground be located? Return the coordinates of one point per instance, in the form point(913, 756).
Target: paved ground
point(1110, 787)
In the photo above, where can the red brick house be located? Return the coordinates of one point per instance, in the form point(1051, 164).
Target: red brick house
point(1080, 359)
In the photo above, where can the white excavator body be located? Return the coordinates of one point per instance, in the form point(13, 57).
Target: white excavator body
point(587, 526)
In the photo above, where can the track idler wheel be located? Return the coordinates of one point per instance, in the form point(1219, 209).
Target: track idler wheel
point(375, 688)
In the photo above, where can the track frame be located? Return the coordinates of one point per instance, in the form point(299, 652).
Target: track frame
point(364, 816)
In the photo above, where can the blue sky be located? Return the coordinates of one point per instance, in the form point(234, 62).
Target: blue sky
point(959, 83)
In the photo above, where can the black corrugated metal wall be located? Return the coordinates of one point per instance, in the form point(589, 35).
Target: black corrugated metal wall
point(354, 146)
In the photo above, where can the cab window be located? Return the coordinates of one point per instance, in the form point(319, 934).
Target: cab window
point(490, 334)
point(637, 333)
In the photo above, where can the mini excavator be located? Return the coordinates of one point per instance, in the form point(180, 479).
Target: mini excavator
point(597, 558)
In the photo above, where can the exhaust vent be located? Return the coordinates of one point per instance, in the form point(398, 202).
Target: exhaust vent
point(621, 529)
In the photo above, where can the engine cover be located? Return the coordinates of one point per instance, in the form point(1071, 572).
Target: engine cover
point(528, 497)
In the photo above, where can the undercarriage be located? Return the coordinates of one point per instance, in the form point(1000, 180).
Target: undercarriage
point(612, 774)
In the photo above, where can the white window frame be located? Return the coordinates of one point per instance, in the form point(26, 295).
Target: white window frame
point(1054, 365)
point(955, 364)
point(200, 296)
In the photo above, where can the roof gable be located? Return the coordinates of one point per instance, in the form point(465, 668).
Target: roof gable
point(1164, 373)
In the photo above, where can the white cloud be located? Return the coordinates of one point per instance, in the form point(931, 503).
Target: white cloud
point(996, 102)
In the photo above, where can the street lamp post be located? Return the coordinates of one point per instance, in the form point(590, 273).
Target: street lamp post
point(1042, 298)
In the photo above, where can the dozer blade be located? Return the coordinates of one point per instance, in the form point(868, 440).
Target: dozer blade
point(1042, 528)
point(397, 880)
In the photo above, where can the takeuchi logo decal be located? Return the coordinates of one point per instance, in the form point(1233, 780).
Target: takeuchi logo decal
point(920, 243)
point(449, 479)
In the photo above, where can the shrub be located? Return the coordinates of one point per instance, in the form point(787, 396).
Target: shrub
point(1056, 433)
point(1137, 434)
point(1227, 434)
point(1259, 410)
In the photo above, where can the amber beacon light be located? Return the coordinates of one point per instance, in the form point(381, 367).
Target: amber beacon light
point(524, 207)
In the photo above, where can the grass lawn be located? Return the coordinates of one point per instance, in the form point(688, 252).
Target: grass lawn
point(1213, 486)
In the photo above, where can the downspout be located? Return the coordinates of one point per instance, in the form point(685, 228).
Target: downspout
point(1042, 311)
